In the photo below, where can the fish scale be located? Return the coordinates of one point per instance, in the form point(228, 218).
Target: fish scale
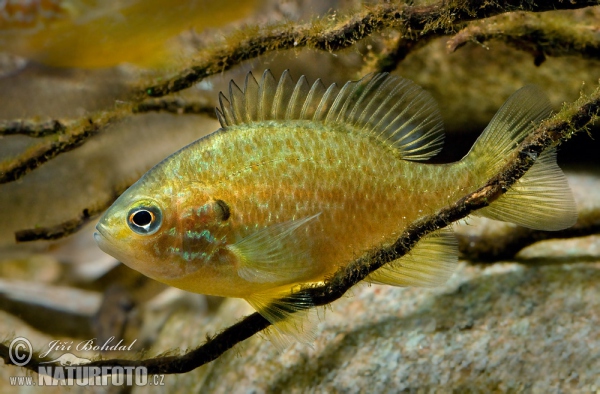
point(322, 184)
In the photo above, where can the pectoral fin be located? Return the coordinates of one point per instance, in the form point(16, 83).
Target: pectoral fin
point(430, 263)
point(278, 253)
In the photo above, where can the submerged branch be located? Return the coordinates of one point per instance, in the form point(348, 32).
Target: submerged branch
point(496, 247)
point(176, 106)
point(411, 21)
point(389, 62)
point(549, 133)
point(539, 37)
point(53, 145)
point(393, 52)
point(30, 128)
point(416, 24)
point(60, 138)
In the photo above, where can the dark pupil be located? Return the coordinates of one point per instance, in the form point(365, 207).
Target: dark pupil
point(142, 218)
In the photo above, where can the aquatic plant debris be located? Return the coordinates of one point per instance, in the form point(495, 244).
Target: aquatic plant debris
point(413, 22)
point(529, 33)
point(504, 246)
point(571, 119)
point(31, 129)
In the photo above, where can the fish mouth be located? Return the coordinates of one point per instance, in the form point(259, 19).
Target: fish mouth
point(101, 241)
point(100, 235)
point(104, 240)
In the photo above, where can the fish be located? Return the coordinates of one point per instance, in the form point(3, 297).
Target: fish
point(98, 34)
point(302, 179)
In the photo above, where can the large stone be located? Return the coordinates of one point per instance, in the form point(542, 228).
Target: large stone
point(506, 327)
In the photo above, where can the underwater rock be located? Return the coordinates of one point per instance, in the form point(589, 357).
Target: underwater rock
point(57, 310)
point(508, 327)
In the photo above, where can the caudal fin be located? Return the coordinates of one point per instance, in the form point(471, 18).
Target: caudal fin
point(541, 199)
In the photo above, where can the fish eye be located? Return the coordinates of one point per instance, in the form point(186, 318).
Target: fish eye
point(144, 220)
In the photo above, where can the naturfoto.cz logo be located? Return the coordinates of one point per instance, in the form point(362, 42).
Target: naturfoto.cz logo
point(70, 370)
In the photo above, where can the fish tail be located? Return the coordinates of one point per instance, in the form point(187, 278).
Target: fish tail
point(541, 199)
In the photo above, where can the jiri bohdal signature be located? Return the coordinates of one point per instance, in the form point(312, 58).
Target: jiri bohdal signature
point(90, 344)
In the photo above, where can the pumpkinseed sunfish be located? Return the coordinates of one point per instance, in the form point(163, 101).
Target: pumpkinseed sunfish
point(95, 34)
point(302, 179)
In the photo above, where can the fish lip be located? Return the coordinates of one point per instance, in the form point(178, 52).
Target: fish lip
point(99, 229)
point(102, 238)
point(98, 237)
point(100, 234)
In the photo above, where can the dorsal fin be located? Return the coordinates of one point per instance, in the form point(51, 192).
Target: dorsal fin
point(394, 109)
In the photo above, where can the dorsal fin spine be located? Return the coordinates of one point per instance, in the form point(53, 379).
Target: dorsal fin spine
point(348, 100)
point(316, 88)
point(282, 96)
point(220, 117)
point(251, 94)
point(300, 90)
point(327, 97)
point(226, 107)
point(237, 102)
point(357, 104)
point(266, 88)
point(333, 110)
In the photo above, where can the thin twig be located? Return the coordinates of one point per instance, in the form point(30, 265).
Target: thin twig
point(550, 132)
point(176, 106)
point(54, 145)
point(30, 128)
point(395, 52)
point(538, 37)
point(506, 246)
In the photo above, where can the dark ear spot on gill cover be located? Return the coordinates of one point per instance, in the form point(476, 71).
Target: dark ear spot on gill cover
point(226, 213)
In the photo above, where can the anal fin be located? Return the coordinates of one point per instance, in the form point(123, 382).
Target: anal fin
point(540, 200)
point(289, 313)
point(430, 263)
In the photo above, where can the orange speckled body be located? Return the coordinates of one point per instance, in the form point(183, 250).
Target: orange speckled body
point(270, 174)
